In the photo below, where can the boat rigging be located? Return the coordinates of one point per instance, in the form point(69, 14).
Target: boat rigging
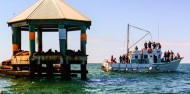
point(148, 32)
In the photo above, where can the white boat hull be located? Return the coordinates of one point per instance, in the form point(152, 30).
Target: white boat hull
point(134, 67)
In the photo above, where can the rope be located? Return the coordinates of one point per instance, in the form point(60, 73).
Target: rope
point(148, 32)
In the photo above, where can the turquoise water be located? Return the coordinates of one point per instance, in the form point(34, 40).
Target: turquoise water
point(100, 82)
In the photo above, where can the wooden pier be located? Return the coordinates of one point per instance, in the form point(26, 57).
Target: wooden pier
point(58, 18)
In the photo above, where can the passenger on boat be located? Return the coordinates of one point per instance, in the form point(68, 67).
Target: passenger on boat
point(123, 57)
point(126, 59)
point(136, 48)
point(112, 60)
point(172, 54)
point(159, 46)
point(149, 44)
point(168, 56)
point(120, 59)
point(145, 45)
point(154, 45)
point(165, 56)
point(162, 60)
point(178, 56)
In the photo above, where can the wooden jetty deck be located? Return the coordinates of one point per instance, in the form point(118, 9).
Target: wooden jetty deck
point(49, 66)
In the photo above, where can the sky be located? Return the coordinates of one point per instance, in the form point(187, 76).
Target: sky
point(167, 20)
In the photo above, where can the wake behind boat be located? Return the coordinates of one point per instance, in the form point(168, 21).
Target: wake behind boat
point(146, 60)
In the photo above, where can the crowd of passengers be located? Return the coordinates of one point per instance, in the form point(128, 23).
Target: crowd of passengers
point(168, 55)
point(150, 45)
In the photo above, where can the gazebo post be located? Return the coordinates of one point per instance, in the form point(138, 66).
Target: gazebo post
point(83, 40)
point(32, 39)
point(62, 41)
point(83, 50)
point(39, 39)
point(19, 39)
point(15, 39)
point(66, 40)
point(39, 64)
point(32, 49)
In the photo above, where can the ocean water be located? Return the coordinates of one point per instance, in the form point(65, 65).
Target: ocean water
point(100, 82)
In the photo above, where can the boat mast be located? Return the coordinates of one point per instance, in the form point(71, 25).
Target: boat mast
point(128, 40)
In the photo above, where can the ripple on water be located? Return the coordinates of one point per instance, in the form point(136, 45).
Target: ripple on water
point(100, 82)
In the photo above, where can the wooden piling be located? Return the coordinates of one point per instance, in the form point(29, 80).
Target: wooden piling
point(83, 71)
point(32, 68)
point(49, 70)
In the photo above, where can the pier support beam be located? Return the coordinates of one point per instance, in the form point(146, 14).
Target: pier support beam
point(16, 39)
point(39, 69)
point(65, 75)
point(83, 71)
point(66, 44)
point(32, 50)
point(83, 40)
point(83, 50)
point(49, 70)
point(19, 39)
point(39, 39)
point(32, 39)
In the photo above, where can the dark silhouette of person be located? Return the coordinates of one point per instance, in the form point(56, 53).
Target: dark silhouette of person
point(159, 46)
point(149, 44)
point(154, 45)
point(136, 48)
point(172, 54)
point(120, 59)
point(123, 59)
point(169, 55)
point(145, 45)
point(178, 56)
point(165, 56)
point(112, 60)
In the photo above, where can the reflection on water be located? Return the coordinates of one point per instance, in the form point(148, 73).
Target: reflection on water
point(53, 86)
point(101, 83)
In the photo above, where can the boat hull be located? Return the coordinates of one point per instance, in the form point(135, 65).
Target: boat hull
point(135, 67)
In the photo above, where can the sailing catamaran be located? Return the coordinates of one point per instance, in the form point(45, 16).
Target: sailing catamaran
point(146, 60)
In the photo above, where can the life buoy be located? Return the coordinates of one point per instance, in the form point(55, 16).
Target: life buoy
point(149, 50)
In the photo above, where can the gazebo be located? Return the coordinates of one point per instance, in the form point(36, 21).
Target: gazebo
point(49, 16)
